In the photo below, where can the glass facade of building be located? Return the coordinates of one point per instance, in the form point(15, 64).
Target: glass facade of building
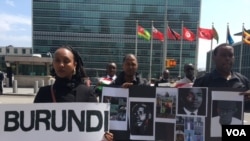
point(105, 30)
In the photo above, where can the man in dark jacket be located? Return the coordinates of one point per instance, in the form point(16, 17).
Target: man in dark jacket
point(164, 78)
point(223, 76)
point(127, 78)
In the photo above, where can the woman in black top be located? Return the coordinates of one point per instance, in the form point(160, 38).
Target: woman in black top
point(69, 84)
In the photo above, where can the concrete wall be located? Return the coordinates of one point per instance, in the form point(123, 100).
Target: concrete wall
point(25, 81)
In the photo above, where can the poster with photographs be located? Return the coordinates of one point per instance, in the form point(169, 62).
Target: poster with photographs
point(118, 99)
point(166, 104)
point(180, 114)
point(142, 118)
point(226, 109)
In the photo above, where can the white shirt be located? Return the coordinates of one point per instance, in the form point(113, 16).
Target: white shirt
point(189, 113)
point(184, 83)
point(113, 78)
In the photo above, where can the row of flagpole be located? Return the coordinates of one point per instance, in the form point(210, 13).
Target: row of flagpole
point(153, 29)
point(204, 33)
point(245, 38)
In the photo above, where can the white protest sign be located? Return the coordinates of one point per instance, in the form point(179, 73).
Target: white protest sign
point(54, 121)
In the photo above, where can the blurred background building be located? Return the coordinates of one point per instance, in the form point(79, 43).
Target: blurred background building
point(104, 31)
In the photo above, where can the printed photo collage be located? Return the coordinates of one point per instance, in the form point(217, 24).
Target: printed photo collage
point(172, 114)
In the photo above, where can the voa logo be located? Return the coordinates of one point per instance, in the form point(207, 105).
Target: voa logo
point(236, 132)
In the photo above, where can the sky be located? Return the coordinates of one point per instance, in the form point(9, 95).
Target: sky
point(16, 24)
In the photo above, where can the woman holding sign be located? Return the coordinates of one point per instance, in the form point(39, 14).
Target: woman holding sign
point(69, 84)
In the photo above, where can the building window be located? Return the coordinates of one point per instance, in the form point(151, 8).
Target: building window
point(7, 50)
point(23, 51)
point(15, 51)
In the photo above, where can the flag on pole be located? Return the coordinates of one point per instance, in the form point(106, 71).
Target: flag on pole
point(205, 33)
point(157, 34)
point(143, 33)
point(173, 35)
point(230, 40)
point(215, 35)
point(188, 34)
point(246, 37)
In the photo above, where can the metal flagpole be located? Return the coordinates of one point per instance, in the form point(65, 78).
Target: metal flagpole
point(180, 62)
point(151, 48)
point(136, 38)
point(241, 48)
point(164, 48)
point(227, 35)
point(196, 51)
point(211, 51)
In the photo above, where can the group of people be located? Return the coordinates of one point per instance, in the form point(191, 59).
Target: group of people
point(70, 84)
point(68, 71)
point(186, 81)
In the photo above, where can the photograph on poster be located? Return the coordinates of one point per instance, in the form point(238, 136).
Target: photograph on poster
point(227, 109)
point(142, 118)
point(192, 101)
point(179, 132)
point(118, 106)
point(118, 99)
point(189, 128)
point(166, 104)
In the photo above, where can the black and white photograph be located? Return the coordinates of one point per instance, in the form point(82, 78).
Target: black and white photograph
point(118, 99)
point(192, 101)
point(227, 109)
point(118, 107)
point(142, 118)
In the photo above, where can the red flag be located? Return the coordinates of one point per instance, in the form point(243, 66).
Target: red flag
point(171, 34)
point(157, 34)
point(188, 35)
point(205, 33)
